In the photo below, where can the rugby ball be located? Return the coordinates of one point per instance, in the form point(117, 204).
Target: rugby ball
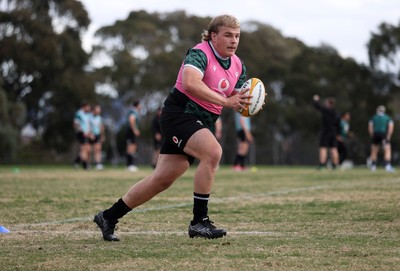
point(257, 91)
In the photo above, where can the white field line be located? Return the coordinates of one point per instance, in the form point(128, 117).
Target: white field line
point(167, 207)
point(217, 200)
point(127, 233)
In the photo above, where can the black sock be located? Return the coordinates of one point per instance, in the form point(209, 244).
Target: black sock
point(237, 160)
point(242, 160)
point(118, 210)
point(84, 164)
point(77, 160)
point(200, 207)
point(133, 159)
point(128, 159)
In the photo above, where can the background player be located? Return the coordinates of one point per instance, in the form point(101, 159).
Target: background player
point(244, 140)
point(132, 133)
point(380, 128)
point(81, 125)
point(98, 136)
point(157, 137)
point(343, 135)
point(329, 127)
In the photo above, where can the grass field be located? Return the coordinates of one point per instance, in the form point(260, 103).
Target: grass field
point(278, 218)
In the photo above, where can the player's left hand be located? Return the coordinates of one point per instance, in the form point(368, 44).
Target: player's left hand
point(239, 100)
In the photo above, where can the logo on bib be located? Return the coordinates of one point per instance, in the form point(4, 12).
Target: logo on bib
point(223, 84)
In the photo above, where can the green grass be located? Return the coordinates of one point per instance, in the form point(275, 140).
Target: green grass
point(278, 218)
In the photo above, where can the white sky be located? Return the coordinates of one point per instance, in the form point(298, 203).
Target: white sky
point(344, 24)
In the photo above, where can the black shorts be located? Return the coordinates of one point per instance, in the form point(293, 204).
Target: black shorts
point(130, 136)
point(328, 140)
point(241, 136)
point(180, 119)
point(82, 139)
point(95, 140)
point(379, 138)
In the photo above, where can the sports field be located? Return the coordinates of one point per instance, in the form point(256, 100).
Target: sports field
point(278, 218)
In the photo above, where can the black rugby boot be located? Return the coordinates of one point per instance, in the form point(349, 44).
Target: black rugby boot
point(107, 227)
point(205, 229)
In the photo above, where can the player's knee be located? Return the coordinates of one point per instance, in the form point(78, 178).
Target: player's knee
point(214, 156)
point(162, 184)
point(162, 181)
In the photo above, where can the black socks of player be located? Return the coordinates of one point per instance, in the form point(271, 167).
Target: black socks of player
point(386, 163)
point(200, 207)
point(239, 160)
point(77, 160)
point(118, 210)
point(130, 159)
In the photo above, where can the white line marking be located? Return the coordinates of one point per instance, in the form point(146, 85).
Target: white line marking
point(179, 233)
point(218, 200)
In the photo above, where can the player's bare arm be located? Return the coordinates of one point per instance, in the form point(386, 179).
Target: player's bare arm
point(132, 122)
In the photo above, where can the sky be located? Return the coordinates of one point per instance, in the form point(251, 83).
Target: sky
point(346, 25)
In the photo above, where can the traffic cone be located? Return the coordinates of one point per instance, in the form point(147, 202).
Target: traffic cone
point(3, 230)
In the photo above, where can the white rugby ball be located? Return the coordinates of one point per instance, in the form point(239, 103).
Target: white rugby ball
point(257, 91)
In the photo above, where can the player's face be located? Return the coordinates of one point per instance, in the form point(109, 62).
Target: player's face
point(226, 41)
point(97, 110)
point(87, 108)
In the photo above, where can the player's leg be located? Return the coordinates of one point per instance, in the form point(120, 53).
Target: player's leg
point(341, 148)
point(387, 152)
point(374, 156)
point(169, 168)
point(323, 149)
point(156, 153)
point(84, 154)
point(335, 157)
point(241, 152)
point(97, 148)
point(131, 150)
point(333, 150)
point(323, 155)
point(244, 148)
point(342, 151)
point(204, 146)
point(77, 161)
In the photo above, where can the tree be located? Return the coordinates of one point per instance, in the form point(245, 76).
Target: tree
point(42, 62)
point(12, 117)
point(146, 50)
point(384, 49)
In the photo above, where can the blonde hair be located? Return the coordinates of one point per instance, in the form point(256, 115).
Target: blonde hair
point(381, 109)
point(217, 22)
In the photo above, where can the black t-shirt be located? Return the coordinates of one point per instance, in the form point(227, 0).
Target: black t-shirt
point(330, 118)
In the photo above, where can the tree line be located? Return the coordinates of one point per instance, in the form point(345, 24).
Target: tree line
point(46, 74)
